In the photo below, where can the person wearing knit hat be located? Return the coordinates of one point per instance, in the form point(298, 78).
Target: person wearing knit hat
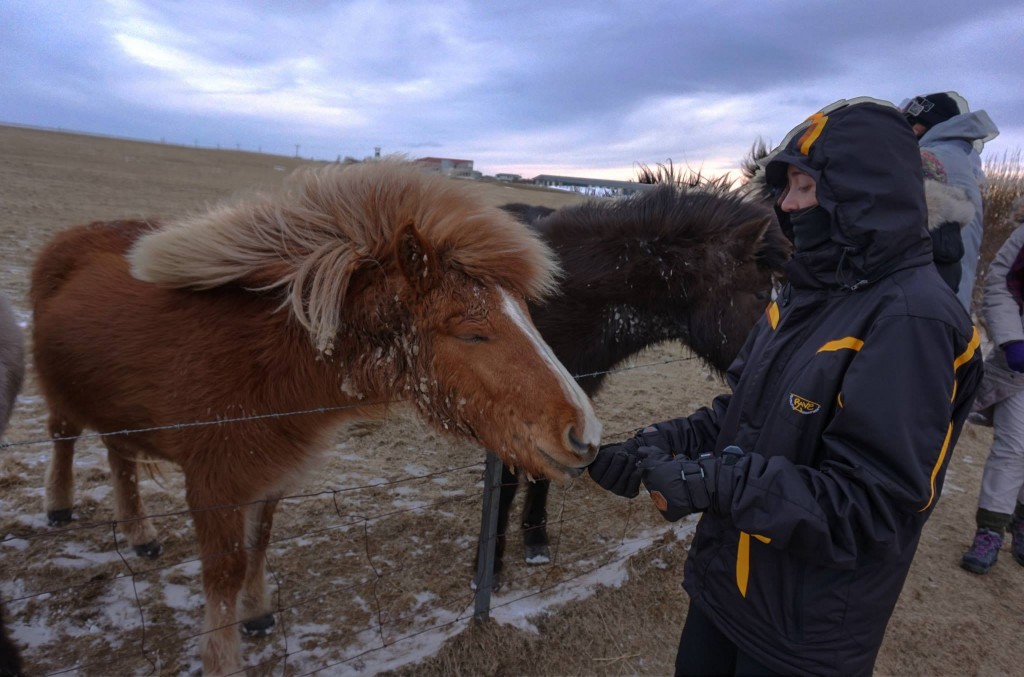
point(954, 135)
point(932, 109)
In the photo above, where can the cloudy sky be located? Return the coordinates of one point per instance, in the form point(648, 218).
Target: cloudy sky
point(570, 87)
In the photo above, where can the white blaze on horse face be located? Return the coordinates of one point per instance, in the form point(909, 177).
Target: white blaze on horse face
point(591, 433)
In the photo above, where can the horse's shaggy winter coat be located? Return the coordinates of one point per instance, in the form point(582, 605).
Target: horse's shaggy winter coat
point(691, 264)
point(356, 287)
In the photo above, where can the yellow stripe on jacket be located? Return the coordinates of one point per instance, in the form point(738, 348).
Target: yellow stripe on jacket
point(962, 359)
point(743, 560)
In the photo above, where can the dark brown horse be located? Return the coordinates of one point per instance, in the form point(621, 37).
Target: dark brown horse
point(690, 264)
point(356, 287)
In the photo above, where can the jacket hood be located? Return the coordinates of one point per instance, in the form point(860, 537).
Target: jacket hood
point(975, 128)
point(864, 159)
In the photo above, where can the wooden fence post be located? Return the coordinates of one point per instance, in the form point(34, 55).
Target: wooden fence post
point(488, 538)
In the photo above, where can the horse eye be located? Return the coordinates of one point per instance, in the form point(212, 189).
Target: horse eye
point(474, 338)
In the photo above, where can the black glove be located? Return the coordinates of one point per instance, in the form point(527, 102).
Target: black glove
point(681, 486)
point(947, 243)
point(614, 468)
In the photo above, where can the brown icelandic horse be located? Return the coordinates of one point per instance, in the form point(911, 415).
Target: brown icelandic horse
point(12, 372)
point(356, 287)
point(691, 264)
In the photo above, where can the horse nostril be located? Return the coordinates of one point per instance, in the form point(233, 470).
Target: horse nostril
point(579, 447)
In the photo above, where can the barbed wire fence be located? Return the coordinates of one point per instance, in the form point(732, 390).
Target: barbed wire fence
point(388, 611)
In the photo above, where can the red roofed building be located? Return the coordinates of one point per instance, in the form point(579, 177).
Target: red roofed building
point(446, 166)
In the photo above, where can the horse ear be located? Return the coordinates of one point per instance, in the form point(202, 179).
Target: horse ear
point(417, 259)
point(750, 238)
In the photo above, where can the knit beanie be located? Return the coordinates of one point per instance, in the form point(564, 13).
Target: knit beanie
point(931, 109)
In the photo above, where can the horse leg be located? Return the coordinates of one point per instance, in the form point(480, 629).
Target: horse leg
point(221, 536)
point(60, 475)
point(507, 493)
point(128, 503)
point(535, 519)
point(258, 620)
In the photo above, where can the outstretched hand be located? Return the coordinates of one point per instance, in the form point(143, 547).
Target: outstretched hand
point(615, 469)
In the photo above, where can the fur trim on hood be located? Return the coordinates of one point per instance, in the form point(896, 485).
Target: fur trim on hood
point(947, 203)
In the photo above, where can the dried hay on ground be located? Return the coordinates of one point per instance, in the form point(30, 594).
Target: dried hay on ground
point(338, 571)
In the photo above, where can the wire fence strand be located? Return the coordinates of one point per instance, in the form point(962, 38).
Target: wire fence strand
point(567, 564)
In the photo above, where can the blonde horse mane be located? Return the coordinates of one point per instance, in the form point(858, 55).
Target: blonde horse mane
point(326, 223)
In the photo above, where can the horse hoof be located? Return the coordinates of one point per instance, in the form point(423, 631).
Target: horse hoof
point(537, 554)
point(259, 627)
point(59, 518)
point(150, 550)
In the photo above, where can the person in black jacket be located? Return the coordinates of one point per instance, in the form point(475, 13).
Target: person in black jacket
point(817, 472)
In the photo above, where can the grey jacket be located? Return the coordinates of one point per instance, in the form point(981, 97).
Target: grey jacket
point(1003, 320)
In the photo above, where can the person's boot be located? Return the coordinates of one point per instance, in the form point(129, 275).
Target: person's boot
point(1017, 539)
point(984, 551)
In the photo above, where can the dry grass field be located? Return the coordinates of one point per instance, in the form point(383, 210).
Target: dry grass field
point(370, 564)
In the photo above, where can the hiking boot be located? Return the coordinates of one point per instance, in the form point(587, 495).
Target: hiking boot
point(984, 551)
point(1017, 539)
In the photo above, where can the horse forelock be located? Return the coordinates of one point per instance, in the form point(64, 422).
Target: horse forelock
point(488, 244)
point(326, 224)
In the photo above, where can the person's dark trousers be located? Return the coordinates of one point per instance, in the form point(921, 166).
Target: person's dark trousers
point(703, 650)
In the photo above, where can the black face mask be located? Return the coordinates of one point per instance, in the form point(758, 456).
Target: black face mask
point(812, 227)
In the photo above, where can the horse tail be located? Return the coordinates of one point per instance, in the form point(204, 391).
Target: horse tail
point(67, 251)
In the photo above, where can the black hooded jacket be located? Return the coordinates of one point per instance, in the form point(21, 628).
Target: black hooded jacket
point(847, 398)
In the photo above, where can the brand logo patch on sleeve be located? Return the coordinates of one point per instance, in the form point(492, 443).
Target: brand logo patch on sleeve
point(659, 501)
point(802, 405)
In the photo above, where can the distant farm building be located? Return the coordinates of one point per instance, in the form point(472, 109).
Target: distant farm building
point(508, 177)
point(587, 186)
point(448, 167)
